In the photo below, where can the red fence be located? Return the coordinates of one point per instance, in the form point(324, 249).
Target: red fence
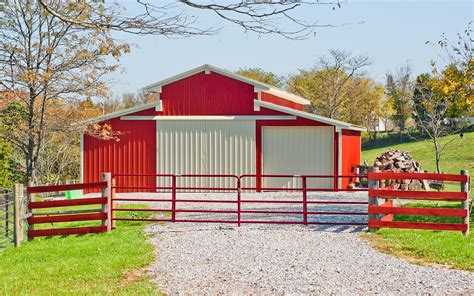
point(238, 188)
point(388, 210)
point(42, 217)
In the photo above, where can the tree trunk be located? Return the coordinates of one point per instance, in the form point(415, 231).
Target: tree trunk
point(438, 155)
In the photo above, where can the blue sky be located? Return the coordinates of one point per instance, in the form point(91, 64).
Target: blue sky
point(393, 34)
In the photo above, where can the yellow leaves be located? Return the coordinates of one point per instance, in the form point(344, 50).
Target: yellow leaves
point(103, 131)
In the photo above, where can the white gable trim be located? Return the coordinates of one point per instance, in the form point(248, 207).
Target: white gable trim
point(218, 117)
point(339, 125)
point(259, 86)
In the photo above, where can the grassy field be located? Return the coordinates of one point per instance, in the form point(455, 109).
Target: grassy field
point(107, 263)
point(458, 156)
point(446, 248)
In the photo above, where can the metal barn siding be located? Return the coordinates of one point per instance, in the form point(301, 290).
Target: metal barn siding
point(279, 101)
point(298, 151)
point(205, 147)
point(134, 153)
point(350, 153)
point(210, 94)
point(266, 123)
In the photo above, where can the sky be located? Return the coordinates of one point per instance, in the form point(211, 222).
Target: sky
point(393, 33)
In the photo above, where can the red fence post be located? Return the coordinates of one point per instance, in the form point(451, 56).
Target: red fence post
point(238, 201)
point(305, 201)
point(173, 198)
point(465, 203)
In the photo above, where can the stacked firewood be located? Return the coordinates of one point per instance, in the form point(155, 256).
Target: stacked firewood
point(394, 160)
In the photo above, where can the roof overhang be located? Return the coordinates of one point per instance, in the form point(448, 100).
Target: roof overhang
point(154, 104)
point(259, 86)
point(339, 125)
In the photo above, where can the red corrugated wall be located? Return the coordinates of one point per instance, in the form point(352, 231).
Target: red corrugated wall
point(279, 101)
point(134, 153)
point(350, 153)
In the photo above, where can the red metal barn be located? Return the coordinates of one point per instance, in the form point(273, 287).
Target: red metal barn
point(211, 121)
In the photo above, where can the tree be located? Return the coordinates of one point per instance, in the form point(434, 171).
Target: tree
point(365, 106)
point(43, 59)
point(262, 76)
point(399, 90)
point(444, 97)
point(178, 19)
point(332, 84)
point(5, 169)
point(430, 111)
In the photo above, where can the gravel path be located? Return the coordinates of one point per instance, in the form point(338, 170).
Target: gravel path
point(216, 259)
point(212, 260)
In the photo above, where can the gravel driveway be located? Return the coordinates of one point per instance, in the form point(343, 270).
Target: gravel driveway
point(213, 259)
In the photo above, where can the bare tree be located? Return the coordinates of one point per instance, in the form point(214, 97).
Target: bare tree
point(431, 117)
point(333, 81)
point(43, 59)
point(171, 19)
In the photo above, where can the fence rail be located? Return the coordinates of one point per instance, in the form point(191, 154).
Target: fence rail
point(382, 216)
point(38, 217)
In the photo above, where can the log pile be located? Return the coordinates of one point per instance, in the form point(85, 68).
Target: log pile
point(394, 160)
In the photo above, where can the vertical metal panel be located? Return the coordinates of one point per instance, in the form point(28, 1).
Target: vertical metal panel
point(298, 151)
point(135, 152)
point(210, 94)
point(280, 101)
point(205, 147)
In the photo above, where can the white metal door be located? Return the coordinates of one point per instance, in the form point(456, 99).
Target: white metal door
point(298, 150)
point(205, 147)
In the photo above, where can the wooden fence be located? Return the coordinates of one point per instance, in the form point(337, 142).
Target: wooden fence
point(382, 216)
point(37, 216)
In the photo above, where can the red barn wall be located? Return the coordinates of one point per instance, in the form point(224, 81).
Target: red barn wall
point(280, 101)
point(213, 94)
point(350, 153)
point(135, 153)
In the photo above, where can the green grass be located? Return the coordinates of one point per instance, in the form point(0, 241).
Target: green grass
point(424, 246)
point(106, 263)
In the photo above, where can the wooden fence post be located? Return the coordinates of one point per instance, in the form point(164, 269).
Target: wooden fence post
point(465, 203)
point(107, 208)
point(373, 201)
point(18, 220)
point(112, 203)
point(30, 198)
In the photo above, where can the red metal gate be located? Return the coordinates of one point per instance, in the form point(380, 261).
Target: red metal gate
point(238, 202)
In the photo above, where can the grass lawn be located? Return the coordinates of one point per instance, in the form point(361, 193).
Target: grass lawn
point(106, 263)
point(423, 246)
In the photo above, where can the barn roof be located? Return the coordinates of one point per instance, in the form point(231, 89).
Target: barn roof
point(259, 86)
point(337, 123)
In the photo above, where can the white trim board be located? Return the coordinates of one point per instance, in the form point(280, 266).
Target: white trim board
point(230, 117)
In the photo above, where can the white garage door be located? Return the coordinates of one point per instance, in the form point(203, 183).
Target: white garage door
point(205, 147)
point(298, 151)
